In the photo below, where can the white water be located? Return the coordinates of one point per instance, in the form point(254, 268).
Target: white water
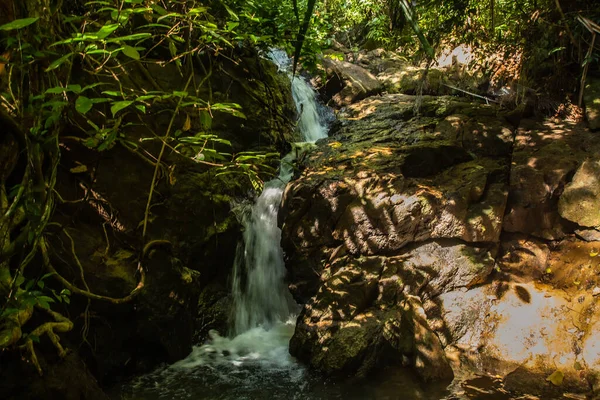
point(264, 316)
point(261, 298)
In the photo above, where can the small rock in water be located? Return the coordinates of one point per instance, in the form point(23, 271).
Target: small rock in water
point(226, 353)
point(596, 291)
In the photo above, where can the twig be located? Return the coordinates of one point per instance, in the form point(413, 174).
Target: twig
point(157, 167)
point(562, 15)
point(471, 94)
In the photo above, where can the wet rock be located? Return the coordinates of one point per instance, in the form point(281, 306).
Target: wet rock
point(580, 201)
point(590, 235)
point(525, 257)
point(527, 323)
point(348, 83)
point(67, 378)
point(361, 319)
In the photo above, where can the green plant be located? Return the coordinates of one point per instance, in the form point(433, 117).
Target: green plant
point(51, 56)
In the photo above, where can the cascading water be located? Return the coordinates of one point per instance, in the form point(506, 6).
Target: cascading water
point(264, 309)
point(264, 298)
point(254, 362)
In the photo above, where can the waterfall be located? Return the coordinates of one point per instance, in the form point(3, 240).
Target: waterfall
point(263, 320)
point(261, 297)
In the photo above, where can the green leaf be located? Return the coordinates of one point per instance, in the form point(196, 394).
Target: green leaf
point(83, 104)
point(119, 105)
point(18, 24)
point(55, 90)
point(46, 299)
point(135, 36)
point(106, 30)
point(41, 284)
point(111, 93)
point(93, 85)
point(131, 52)
point(43, 304)
point(57, 63)
point(172, 48)
point(205, 120)
point(49, 274)
point(74, 88)
point(29, 284)
point(20, 280)
point(98, 100)
point(159, 10)
point(141, 108)
point(34, 338)
point(8, 312)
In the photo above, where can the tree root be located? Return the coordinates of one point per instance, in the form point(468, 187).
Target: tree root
point(50, 329)
point(46, 259)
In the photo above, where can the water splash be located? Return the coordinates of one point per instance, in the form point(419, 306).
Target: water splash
point(264, 310)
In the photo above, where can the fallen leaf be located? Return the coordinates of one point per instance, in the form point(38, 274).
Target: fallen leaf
point(79, 169)
point(556, 378)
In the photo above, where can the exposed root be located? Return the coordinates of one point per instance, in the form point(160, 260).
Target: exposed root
point(61, 324)
point(46, 259)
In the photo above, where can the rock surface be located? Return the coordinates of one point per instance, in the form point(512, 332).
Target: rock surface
point(390, 212)
point(347, 82)
point(580, 201)
point(544, 159)
point(445, 240)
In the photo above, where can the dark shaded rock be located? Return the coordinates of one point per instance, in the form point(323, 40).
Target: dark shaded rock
point(361, 319)
point(252, 82)
point(589, 235)
point(63, 379)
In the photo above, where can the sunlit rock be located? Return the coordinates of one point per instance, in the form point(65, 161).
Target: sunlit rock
point(544, 158)
point(580, 202)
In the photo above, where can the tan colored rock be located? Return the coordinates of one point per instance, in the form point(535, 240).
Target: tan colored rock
point(580, 202)
point(351, 84)
point(545, 156)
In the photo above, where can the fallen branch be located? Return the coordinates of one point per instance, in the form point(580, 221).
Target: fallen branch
point(487, 99)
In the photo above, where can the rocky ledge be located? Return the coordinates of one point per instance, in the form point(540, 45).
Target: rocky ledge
point(440, 234)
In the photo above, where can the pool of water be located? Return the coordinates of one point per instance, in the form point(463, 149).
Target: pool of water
point(256, 365)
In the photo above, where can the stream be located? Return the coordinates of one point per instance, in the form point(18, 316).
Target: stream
point(253, 361)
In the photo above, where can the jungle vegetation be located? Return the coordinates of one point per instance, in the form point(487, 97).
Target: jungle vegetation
point(60, 73)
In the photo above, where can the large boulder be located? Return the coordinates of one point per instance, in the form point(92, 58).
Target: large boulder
point(580, 202)
point(545, 157)
point(348, 83)
point(533, 326)
point(390, 212)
